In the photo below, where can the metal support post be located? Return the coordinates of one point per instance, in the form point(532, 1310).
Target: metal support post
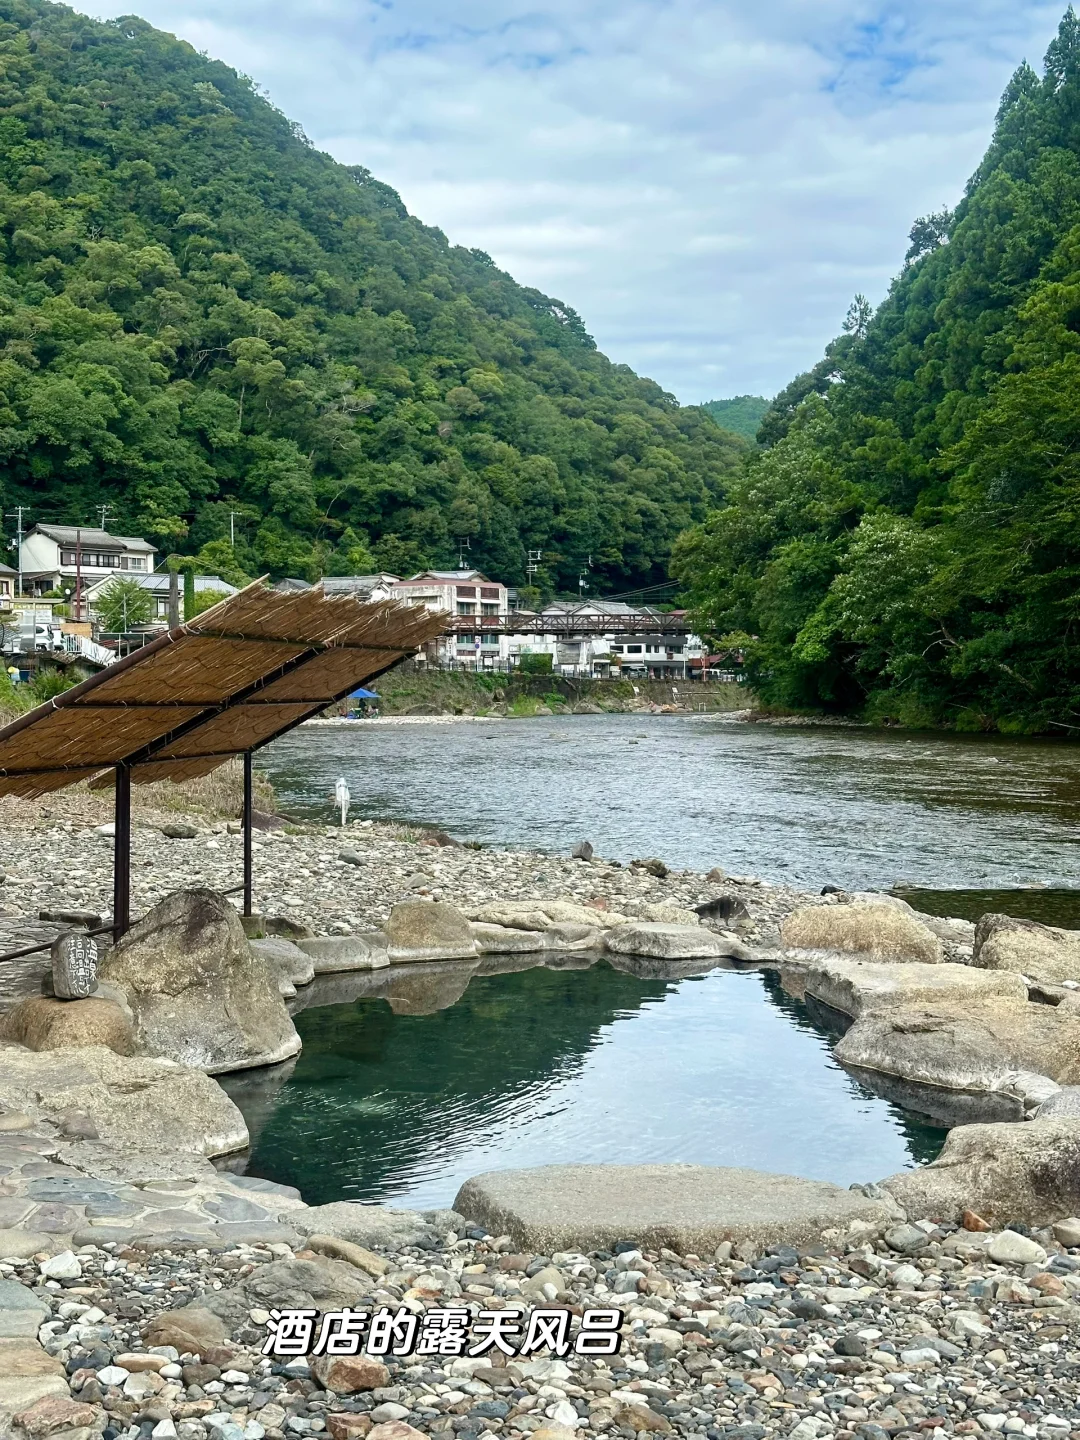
point(247, 832)
point(122, 853)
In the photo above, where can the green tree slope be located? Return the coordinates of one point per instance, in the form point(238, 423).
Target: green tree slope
point(909, 541)
point(200, 314)
point(742, 414)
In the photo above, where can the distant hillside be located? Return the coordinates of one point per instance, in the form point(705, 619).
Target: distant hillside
point(741, 415)
point(203, 317)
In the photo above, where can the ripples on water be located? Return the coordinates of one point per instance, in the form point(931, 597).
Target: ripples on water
point(851, 807)
point(558, 1065)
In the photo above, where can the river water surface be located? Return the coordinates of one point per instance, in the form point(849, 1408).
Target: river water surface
point(809, 806)
point(413, 1085)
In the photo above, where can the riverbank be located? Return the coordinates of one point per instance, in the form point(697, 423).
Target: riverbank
point(410, 689)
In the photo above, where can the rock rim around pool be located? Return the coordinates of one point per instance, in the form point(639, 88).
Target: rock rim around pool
point(852, 986)
point(1044, 952)
point(428, 930)
point(688, 1208)
point(656, 940)
point(1027, 1174)
point(877, 930)
point(198, 993)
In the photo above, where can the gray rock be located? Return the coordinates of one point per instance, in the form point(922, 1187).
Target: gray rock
point(376, 1226)
point(1009, 1248)
point(1042, 952)
point(1027, 1173)
point(198, 994)
point(656, 940)
point(428, 930)
point(179, 830)
point(972, 1045)
point(906, 1239)
point(336, 954)
point(583, 850)
point(685, 1207)
point(1067, 1232)
point(287, 1284)
point(286, 957)
point(137, 1105)
point(853, 986)
point(74, 959)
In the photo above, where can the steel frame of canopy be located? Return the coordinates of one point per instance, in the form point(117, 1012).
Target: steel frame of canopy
point(416, 628)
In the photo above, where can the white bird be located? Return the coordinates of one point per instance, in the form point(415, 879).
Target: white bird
point(342, 797)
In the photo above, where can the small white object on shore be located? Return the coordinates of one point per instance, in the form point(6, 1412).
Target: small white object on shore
point(342, 798)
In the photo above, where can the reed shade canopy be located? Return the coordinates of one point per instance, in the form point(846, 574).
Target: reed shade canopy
point(226, 683)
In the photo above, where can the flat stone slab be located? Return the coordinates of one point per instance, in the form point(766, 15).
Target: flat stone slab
point(853, 986)
point(689, 1208)
point(334, 954)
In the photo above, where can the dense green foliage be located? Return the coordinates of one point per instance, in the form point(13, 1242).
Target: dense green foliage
point(123, 604)
point(909, 541)
point(742, 414)
point(200, 315)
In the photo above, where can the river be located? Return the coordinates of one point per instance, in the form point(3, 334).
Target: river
point(847, 806)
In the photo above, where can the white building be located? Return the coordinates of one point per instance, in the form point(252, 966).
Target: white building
point(480, 607)
point(51, 556)
point(8, 578)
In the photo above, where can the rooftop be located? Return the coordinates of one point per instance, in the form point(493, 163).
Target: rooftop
point(92, 537)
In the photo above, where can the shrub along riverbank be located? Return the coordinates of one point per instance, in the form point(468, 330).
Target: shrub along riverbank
point(408, 690)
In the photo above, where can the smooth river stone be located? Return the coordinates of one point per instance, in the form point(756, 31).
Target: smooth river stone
point(690, 1208)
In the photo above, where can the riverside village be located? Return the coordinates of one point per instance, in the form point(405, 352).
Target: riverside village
point(535, 905)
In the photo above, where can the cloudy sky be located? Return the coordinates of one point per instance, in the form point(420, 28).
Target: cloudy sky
point(708, 182)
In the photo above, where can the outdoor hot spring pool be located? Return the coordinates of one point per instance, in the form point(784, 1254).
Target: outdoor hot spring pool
point(414, 1078)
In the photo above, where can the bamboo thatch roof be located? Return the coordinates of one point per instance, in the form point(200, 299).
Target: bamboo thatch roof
point(230, 680)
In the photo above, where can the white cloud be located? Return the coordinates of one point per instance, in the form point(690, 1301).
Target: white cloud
point(707, 182)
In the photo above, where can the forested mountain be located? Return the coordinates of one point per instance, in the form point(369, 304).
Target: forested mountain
point(909, 540)
point(200, 314)
point(742, 414)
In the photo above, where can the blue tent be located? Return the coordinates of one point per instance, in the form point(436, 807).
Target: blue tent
point(363, 694)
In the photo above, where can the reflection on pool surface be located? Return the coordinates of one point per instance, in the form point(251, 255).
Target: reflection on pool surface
point(412, 1079)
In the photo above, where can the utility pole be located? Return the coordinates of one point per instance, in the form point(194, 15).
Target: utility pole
point(78, 574)
point(17, 516)
point(232, 528)
point(104, 514)
point(535, 556)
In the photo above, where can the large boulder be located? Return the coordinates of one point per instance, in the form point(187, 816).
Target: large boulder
point(141, 1104)
point(1042, 952)
point(673, 942)
point(42, 1023)
point(852, 986)
point(198, 993)
point(428, 930)
point(691, 1208)
point(340, 954)
point(323, 1284)
point(966, 1059)
point(1029, 1174)
point(878, 930)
